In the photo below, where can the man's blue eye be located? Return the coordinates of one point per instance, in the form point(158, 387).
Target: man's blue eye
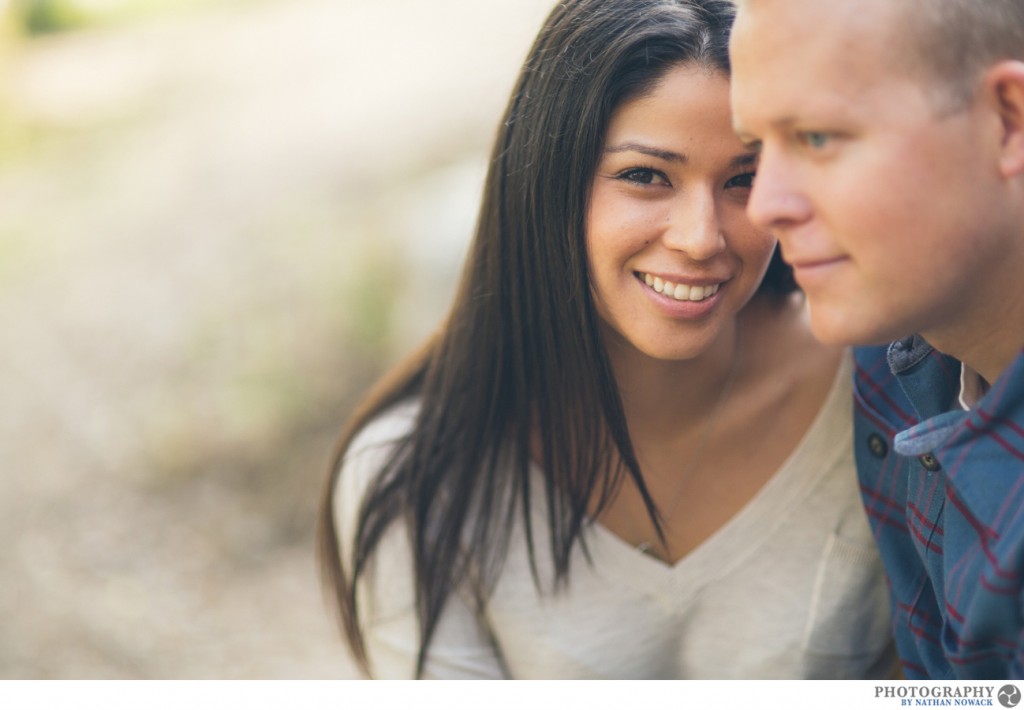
point(815, 139)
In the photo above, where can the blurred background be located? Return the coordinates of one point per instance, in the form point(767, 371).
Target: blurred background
point(219, 220)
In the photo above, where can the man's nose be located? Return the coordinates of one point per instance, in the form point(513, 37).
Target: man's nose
point(776, 199)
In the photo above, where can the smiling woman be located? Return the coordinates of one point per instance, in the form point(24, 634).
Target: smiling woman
point(623, 455)
point(671, 183)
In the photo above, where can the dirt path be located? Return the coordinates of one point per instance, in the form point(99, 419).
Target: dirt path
point(201, 246)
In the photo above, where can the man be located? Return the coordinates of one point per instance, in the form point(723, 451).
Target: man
point(891, 138)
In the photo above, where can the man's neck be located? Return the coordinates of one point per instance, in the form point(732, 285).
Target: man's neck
point(988, 351)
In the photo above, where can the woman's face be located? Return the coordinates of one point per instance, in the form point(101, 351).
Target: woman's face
point(672, 255)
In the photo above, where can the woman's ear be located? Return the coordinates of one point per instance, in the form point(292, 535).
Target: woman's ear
point(1005, 84)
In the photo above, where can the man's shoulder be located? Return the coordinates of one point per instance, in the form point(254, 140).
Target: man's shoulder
point(906, 381)
point(878, 395)
point(871, 357)
point(901, 357)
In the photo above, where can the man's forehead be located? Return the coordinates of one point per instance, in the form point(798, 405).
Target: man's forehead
point(795, 23)
point(809, 84)
point(775, 43)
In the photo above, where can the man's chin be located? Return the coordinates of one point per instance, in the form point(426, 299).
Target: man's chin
point(834, 327)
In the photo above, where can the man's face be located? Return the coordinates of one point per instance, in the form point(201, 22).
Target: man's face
point(889, 207)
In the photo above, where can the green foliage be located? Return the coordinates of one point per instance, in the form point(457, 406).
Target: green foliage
point(39, 17)
point(33, 18)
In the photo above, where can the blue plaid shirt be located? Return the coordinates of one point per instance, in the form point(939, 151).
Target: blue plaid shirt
point(944, 492)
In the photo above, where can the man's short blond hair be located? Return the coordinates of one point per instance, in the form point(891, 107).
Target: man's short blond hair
point(950, 42)
point(955, 41)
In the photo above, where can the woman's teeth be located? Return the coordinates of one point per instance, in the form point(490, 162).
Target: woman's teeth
point(680, 292)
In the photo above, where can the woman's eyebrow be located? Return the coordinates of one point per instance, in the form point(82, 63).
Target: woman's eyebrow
point(647, 150)
point(744, 160)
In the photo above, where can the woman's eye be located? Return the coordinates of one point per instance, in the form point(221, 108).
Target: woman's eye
point(746, 180)
point(643, 176)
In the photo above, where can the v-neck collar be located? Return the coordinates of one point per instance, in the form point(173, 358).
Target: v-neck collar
point(814, 456)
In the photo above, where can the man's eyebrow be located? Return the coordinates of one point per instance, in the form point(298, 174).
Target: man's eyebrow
point(667, 155)
point(748, 159)
point(749, 142)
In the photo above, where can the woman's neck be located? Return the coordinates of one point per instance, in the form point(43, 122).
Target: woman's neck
point(662, 398)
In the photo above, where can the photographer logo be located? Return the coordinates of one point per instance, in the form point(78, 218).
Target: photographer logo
point(1009, 696)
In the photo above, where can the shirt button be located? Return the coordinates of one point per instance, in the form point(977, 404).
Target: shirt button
point(930, 462)
point(877, 445)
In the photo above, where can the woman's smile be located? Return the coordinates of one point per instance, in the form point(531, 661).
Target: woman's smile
point(679, 291)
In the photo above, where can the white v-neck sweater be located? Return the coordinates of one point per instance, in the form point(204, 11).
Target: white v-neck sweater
point(790, 587)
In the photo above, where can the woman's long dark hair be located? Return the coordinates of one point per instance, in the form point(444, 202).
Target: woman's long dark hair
point(519, 366)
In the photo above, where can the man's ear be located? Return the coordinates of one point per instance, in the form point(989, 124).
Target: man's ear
point(1005, 84)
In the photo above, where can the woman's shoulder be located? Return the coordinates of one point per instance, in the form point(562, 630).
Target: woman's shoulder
point(385, 430)
point(368, 453)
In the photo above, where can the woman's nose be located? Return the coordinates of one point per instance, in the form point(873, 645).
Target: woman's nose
point(694, 227)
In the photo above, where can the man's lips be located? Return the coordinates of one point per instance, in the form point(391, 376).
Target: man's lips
point(814, 273)
point(814, 263)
